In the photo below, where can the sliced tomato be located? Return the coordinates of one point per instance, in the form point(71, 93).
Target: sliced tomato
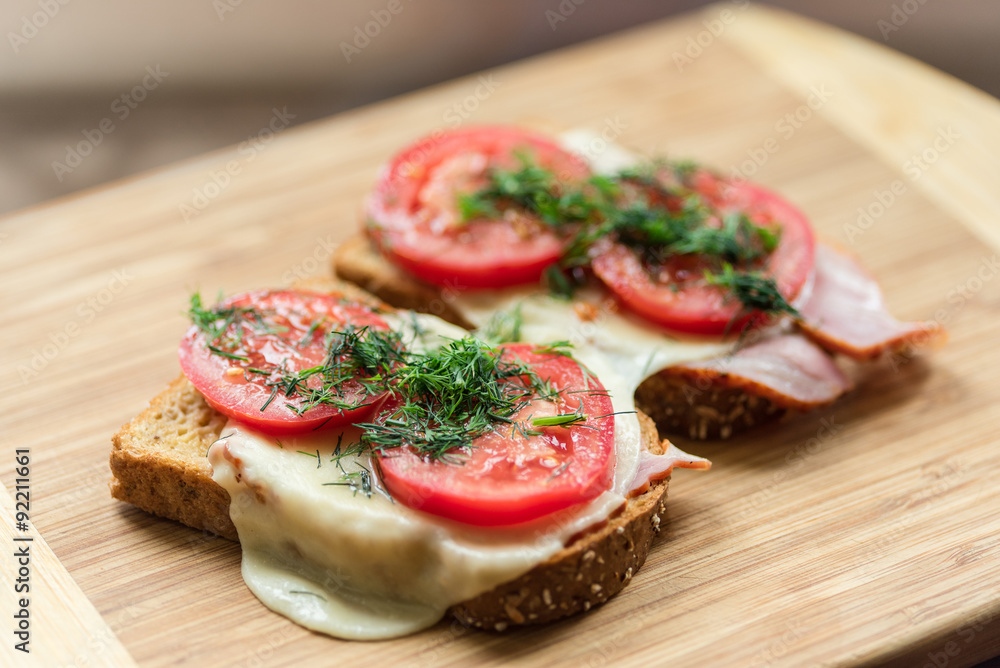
point(508, 477)
point(279, 332)
point(675, 295)
point(414, 217)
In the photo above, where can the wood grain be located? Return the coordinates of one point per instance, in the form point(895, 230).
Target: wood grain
point(64, 628)
point(868, 532)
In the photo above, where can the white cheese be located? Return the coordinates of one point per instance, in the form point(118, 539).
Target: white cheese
point(335, 560)
point(339, 562)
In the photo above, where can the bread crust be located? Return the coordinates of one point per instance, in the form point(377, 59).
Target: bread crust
point(677, 405)
point(357, 261)
point(707, 410)
point(159, 461)
point(592, 568)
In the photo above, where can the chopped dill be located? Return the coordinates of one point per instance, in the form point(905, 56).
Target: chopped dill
point(356, 357)
point(357, 481)
point(307, 593)
point(754, 290)
point(450, 397)
point(530, 187)
point(503, 326)
point(308, 336)
point(559, 471)
point(439, 401)
point(223, 353)
point(561, 420)
point(630, 208)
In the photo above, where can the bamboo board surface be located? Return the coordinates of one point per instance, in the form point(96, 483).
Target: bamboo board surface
point(867, 532)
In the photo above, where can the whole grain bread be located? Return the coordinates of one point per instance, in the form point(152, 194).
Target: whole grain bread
point(667, 397)
point(159, 464)
point(592, 568)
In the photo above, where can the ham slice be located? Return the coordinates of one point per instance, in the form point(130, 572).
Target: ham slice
point(787, 369)
point(656, 467)
point(846, 313)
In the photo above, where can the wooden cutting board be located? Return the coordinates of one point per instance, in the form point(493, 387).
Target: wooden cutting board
point(867, 532)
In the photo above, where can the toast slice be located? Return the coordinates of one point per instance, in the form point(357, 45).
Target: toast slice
point(713, 410)
point(159, 464)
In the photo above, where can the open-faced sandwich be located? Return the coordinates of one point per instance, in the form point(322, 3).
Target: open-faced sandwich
point(382, 466)
point(501, 226)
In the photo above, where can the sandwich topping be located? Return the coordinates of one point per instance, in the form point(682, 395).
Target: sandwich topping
point(674, 250)
point(675, 243)
point(529, 421)
point(286, 361)
point(551, 445)
point(423, 227)
point(446, 467)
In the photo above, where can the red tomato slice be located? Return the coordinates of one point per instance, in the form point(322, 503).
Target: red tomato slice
point(675, 295)
point(414, 218)
point(507, 478)
point(295, 325)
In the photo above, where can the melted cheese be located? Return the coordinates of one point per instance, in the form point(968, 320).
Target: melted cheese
point(353, 566)
point(337, 561)
point(619, 349)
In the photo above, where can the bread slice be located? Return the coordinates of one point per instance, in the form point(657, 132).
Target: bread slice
point(159, 461)
point(712, 411)
point(160, 465)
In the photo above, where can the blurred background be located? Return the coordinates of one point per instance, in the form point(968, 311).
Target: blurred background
point(96, 90)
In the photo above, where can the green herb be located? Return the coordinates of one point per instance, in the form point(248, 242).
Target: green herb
point(452, 396)
point(558, 348)
point(559, 471)
point(307, 593)
point(755, 291)
point(532, 188)
point(223, 353)
point(619, 208)
point(307, 337)
point(559, 283)
point(561, 420)
point(357, 481)
point(217, 321)
point(503, 326)
point(355, 356)
point(443, 399)
point(359, 356)
point(657, 233)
